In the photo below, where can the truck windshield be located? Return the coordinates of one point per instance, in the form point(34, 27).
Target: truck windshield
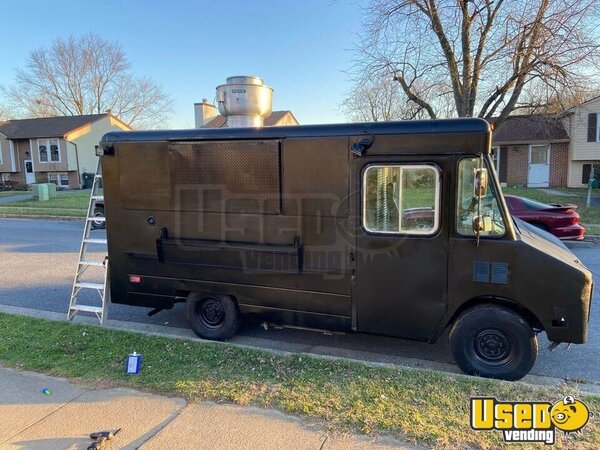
point(467, 209)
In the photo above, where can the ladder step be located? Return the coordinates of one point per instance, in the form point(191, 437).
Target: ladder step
point(96, 219)
point(91, 263)
point(98, 198)
point(88, 285)
point(95, 241)
point(86, 308)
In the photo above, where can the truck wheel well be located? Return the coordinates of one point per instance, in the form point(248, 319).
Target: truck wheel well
point(501, 301)
point(182, 295)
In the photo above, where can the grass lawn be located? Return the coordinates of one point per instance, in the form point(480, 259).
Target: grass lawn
point(588, 215)
point(419, 406)
point(72, 204)
point(13, 193)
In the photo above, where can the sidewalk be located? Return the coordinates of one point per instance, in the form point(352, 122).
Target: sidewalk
point(64, 419)
point(16, 198)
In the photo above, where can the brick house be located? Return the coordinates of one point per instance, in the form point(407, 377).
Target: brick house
point(53, 149)
point(532, 151)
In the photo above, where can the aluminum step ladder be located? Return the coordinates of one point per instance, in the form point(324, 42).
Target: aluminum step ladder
point(100, 266)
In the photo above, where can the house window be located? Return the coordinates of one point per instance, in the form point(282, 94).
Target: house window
point(59, 179)
point(539, 154)
point(1, 154)
point(597, 128)
point(496, 158)
point(64, 180)
point(587, 173)
point(401, 199)
point(49, 150)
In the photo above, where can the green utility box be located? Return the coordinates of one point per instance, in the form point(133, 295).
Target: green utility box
point(40, 192)
point(43, 191)
point(51, 190)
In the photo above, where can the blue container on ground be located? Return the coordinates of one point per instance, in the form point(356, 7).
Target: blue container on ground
point(133, 363)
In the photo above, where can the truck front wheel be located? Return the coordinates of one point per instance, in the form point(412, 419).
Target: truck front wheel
point(493, 342)
point(214, 317)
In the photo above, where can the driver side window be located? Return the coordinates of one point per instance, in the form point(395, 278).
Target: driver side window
point(402, 199)
point(468, 208)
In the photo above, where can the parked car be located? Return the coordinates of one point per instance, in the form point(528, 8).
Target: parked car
point(560, 220)
point(99, 212)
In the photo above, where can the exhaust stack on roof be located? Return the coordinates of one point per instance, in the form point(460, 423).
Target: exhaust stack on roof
point(245, 101)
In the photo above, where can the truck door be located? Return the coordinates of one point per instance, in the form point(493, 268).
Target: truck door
point(401, 245)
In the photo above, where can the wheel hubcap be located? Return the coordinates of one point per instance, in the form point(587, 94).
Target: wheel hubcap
point(492, 347)
point(210, 313)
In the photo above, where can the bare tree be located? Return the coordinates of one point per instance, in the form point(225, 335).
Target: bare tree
point(484, 53)
point(538, 99)
point(87, 75)
point(379, 100)
point(3, 113)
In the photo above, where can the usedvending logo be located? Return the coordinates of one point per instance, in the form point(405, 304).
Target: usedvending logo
point(529, 421)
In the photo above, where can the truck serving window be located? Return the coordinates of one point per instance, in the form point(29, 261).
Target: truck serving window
point(403, 199)
point(227, 176)
point(467, 210)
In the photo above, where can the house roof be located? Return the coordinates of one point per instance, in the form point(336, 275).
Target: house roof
point(535, 127)
point(46, 126)
point(272, 120)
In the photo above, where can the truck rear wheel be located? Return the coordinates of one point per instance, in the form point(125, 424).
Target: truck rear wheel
point(214, 317)
point(493, 342)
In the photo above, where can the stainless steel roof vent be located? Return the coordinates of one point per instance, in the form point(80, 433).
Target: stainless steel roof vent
point(245, 101)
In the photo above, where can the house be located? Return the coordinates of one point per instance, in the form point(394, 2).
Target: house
point(53, 149)
point(206, 116)
point(583, 126)
point(532, 151)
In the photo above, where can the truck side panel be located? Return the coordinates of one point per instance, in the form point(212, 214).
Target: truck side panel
point(275, 249)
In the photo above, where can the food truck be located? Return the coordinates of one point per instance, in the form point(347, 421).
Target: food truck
point(395, 228)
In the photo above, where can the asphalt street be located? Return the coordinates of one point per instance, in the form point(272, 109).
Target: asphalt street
point(38, 258)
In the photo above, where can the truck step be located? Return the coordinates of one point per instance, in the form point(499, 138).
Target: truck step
point(97, 219)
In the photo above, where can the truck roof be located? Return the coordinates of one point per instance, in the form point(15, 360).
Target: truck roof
point(463, 125)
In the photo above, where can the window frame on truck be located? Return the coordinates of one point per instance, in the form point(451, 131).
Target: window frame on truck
point(403, 166)
point(492, 188)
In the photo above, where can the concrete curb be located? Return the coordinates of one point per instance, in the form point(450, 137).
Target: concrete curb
point(324, 353)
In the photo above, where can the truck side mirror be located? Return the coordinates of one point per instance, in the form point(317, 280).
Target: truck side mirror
point(480, 183)
point(482, 224)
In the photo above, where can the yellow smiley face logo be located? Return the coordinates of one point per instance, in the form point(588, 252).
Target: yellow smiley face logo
point(569, 415)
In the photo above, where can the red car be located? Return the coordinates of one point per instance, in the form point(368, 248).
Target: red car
point(560, 220)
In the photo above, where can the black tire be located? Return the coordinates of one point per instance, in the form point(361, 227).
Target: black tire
point(214, 317)
point(98, 212)
point(493, 342)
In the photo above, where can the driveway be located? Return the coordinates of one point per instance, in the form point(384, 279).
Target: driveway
point(39, 258)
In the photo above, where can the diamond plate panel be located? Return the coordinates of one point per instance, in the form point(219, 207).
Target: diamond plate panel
point(229, 176)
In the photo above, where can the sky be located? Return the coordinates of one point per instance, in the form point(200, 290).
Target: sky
point(302, 49)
